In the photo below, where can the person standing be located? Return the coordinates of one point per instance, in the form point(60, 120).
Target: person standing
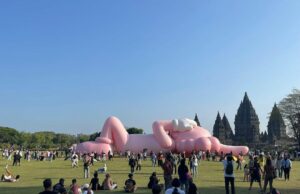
point(228, 174)
point(194, 166)
point(183, 173)
point(86, 165)
point(168, 171)
point(287, 165)
point(132, 164)
point(278, 167)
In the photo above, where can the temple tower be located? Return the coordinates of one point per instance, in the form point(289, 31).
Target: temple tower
point(276, 126)
point(246, 123)
point(219, 129)
point(228, 131)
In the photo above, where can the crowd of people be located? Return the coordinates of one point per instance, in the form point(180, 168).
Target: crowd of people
point(179, 170)
point(260, 168)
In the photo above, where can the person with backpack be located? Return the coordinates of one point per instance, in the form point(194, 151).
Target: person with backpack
point(228, 174)
point(132, 163)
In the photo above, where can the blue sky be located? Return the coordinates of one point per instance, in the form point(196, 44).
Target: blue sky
point(68, 65)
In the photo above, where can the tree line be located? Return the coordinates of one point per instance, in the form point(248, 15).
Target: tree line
point(46, 139)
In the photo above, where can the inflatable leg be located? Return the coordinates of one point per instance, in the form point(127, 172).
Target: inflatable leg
point(91, 146)
point(113, 132)
point(235, 150)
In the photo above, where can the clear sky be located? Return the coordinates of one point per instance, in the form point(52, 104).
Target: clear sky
point(68, 65)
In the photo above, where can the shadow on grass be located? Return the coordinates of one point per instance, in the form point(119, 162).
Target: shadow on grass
point(143, 190)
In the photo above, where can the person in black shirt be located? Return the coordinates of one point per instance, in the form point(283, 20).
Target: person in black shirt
point(130, 184)
point(95, 182)
point(153, 180)
point(47, 185)
point(60, 187)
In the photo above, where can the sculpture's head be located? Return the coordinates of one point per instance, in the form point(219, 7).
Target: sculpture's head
point(187, 129)
point(183, 124)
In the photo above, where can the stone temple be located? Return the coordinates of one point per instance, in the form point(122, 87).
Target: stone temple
point(246, 123)
point(247, 131)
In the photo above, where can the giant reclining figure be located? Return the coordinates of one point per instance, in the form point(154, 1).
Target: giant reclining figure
point(168, 135)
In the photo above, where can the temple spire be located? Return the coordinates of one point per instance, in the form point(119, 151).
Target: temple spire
point(197, 120)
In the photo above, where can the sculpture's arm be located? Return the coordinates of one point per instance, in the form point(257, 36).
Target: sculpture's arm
point(160, 132)
point(113, 132)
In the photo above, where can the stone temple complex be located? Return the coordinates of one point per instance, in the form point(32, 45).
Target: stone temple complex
point(247, 130)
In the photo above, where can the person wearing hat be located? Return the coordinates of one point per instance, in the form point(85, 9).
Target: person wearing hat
point(86, 189)
point(175, 187)
point(130, 184)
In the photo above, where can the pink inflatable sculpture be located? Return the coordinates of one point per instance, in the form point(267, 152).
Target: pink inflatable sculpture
point(171, 135)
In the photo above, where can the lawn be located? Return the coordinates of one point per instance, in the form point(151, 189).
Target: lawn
point(209, 181)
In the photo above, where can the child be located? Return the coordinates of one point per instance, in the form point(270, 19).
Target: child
point(246, 173)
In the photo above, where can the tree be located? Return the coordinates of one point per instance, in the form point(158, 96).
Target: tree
point(9, 135)
point(94, 136)
point(290, 109)
point(133, 130)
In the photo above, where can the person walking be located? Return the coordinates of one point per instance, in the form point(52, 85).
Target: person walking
point(255, 174)
point(228, 174)
point(269, 172)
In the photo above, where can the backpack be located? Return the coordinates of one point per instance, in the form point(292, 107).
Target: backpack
point(229, 168)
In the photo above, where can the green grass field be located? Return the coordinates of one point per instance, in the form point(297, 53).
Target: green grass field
point(209, 181)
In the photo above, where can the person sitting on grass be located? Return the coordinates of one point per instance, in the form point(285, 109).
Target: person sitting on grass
point(8, 176)
point(157, 189)
point(47, 183)
point(153, 180)
point(192, 187)
point(60, 187)
point(130, 184)
point(108, 184)
point(95, 182)
point(175, 188)
point(86, 189)
point(74, 188)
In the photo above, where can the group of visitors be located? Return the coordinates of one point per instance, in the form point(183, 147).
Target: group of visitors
point(94, 185)
point(258, 168)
